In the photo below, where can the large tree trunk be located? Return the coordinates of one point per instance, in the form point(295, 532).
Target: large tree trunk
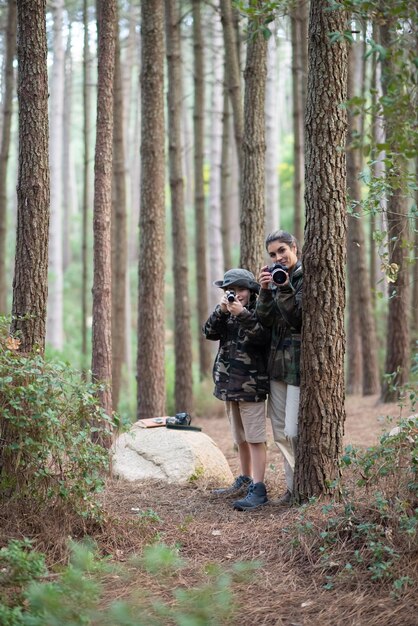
point(253, 149)
point(199, 202)
point(102, 281)
point(360, 302)
point(119, 231)
point(55, 321)
point(151, 317)
point(322, 412)
point(397, 347)
point(5, 145)
point(30, 284)
point(183, 390)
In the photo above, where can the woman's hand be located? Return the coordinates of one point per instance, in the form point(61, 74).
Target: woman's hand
point(264, 277)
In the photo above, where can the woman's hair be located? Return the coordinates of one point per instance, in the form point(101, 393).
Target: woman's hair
point(285, 237)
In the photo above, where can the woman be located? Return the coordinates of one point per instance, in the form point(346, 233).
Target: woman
point(279, 307)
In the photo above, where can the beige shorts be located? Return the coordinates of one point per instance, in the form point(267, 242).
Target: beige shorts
point(248, 421)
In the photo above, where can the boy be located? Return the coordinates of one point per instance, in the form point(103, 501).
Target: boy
point(241, 380)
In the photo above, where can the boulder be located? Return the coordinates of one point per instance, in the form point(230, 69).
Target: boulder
point(170, 455)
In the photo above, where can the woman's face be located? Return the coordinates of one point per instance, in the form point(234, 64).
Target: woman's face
point(280, 252)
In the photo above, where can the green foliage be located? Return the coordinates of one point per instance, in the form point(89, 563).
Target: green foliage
point(47, 418)
point(75, 596)
point(365, 536)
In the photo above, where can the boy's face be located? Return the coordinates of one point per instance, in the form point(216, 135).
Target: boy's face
point(242, 294)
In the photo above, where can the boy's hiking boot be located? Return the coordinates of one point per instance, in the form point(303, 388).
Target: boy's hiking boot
point(256, 497)
point(238, 487)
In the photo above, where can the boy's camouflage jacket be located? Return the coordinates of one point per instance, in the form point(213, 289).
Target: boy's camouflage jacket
point(281, 310)
point(239, 370)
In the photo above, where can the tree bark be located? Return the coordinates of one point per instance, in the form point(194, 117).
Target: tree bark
point(322, 412)
point(253, 154)
point(151, 315)
point(5, 145)
point(183, 388)
point(102, 282)
point(30, 284)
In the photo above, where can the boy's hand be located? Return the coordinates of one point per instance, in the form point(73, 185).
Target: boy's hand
point(224, 303)
point(235, 308)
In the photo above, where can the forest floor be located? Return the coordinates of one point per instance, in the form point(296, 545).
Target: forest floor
point(292, 586)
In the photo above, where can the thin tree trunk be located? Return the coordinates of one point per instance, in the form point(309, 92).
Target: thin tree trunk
point(5, 145)
point(233, 76)
point(360, 303)
point(297, 92)
point(200, 219)
point(55, 321)
point(102, 280)
point(151, 314)
point(216, 264)
point(86, 181)
point(225, 184)
point(415, 267)
point(30, 284)
point(182, 329)
point(397, 347)
point(119, 231)
point(322, 412)
point(253, 154)
point(272, 221)
point(68, 181)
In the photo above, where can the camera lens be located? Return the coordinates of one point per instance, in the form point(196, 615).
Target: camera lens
point(278, 273)
point(230, 296)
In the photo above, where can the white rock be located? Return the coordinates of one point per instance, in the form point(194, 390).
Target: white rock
point(169, 455)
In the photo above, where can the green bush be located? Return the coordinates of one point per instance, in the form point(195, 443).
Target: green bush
point(367, 536)
point(47, 418)
point(76, 596)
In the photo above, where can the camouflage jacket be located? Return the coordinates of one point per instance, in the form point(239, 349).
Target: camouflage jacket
point(280, 309)
point(239, 370)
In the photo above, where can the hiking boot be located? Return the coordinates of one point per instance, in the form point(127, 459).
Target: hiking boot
point(239, 486)
point(256, 496)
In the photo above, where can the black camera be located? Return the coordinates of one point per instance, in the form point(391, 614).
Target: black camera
point(278, 273)
point(230, 295)
point(180, 419)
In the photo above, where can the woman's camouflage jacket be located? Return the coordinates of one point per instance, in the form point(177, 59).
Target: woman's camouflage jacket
point(280, 309)
point(240, 367)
